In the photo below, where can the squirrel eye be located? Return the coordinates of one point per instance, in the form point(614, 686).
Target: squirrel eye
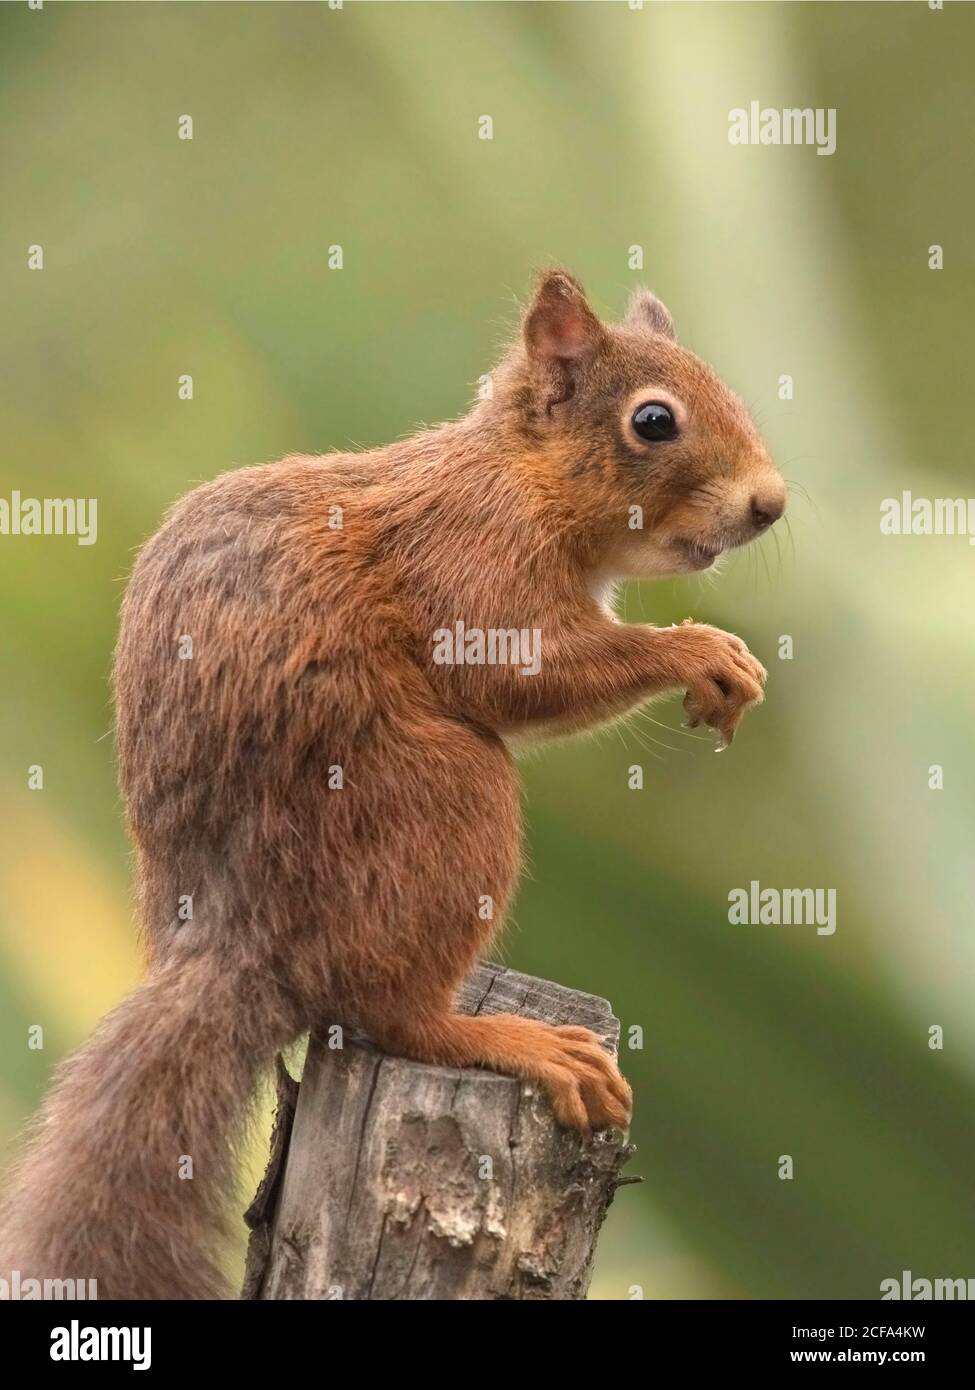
point(654, 421)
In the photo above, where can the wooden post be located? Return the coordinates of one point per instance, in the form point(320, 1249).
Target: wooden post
point(393, 1180)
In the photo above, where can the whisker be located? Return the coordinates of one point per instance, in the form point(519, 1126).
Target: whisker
point(649, 751)
point(685, 733)
point(796, 487)
point(792, 542)
point(768, 573)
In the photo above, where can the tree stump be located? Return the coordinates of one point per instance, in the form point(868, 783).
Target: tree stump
point(389, 1179)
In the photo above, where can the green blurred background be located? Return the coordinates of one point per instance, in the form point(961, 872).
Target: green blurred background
point(358, 127)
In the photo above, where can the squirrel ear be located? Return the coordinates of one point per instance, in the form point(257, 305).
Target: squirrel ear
point(646, 311)
point(559, 325)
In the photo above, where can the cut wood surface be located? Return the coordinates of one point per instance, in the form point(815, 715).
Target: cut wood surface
point(389, 1179)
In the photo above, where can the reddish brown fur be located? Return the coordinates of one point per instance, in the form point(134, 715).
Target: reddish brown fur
point(312, 647)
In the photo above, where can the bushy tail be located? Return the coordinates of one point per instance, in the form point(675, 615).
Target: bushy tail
point(129, 1170)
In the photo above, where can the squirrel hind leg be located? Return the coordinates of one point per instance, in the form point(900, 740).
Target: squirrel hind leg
point(446, 885)
point(581, 1078)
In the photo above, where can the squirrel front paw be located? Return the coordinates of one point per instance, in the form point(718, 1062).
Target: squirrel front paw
point(583, 1081)
point(723, 679)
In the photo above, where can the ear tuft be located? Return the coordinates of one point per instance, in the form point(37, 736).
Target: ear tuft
point(650, 314)
point(560, 325)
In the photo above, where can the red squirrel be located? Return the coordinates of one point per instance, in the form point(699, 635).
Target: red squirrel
point(320, 806)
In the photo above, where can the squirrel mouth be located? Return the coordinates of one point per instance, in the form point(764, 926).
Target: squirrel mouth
point(699, 554)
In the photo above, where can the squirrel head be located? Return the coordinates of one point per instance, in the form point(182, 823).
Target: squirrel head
point(635, 434)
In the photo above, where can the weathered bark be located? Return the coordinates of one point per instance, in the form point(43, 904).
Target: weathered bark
point(393, 1180)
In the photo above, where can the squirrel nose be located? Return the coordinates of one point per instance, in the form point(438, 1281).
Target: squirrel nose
point(767, 507)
